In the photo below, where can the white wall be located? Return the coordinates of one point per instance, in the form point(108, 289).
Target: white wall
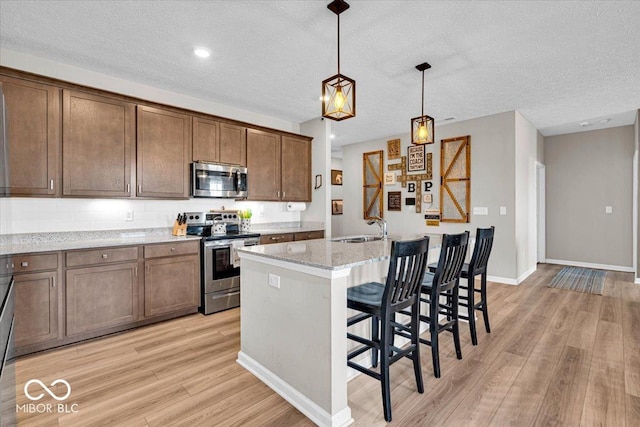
point(319, 210)
point(336, 193)
point(33, 215)
point(493, 180)
point(69, 73)
point(585, 172)
point(526, 228)
point(636, 199)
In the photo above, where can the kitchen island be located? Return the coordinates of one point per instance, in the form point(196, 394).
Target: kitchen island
point(293, 317)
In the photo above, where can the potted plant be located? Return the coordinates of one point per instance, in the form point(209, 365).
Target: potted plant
point(245, 219)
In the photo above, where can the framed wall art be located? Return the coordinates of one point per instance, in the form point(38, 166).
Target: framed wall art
point(336, 177)
point(393, 149)
point(372, 168)
point(394, 200)
point(416, 158)
point(455, 178)
point(389, 178)
point(336, 207)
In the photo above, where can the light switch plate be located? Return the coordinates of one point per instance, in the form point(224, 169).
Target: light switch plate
point(503, 210)
point(480, 210)
point(274, 281)
point(128, 216)
point(608, 209)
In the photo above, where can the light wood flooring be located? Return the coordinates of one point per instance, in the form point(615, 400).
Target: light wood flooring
point(554, 357)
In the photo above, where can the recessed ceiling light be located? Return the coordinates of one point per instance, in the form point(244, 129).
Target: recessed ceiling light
point(584, 124)
point(201, 52)
point(603, 121)
point(332, 136)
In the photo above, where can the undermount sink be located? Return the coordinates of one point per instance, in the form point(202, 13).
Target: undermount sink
point(357, 239)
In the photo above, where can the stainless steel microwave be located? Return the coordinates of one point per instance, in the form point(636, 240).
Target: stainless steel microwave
point(218, 180)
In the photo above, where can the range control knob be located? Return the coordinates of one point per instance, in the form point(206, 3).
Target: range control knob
point(190, 216)
point(197, 216)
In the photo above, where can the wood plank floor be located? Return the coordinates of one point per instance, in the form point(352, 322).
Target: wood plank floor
point(554, 357)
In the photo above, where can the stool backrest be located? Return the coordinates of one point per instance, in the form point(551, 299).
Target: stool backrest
point(481, 250)
point(406, 272)
point(452, 255)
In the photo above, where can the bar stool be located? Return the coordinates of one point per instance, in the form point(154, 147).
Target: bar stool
point(380, 303)
point(444, 283)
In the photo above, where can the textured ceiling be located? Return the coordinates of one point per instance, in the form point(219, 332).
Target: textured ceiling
point(558, 63)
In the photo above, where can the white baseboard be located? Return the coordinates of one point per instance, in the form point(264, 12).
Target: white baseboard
point(305, 405)
point(503, 280)
point(637, 281)
point(527, 273)
point(591, 265)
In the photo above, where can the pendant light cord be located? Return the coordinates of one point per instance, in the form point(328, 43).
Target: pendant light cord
point(338, 43)
point(422, 93)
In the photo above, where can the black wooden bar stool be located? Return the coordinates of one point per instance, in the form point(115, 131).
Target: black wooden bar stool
point(380, 303)
point(477, 266)
point(443, 283)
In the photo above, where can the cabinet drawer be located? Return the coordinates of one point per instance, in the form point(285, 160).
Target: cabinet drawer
point(276, 238)
point(308, 235)
point(31, 263)
point(101, 256)
point(170, 249)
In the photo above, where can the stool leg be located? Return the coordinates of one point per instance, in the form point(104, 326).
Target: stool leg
point(471, 310)
point(415, 340)
point(456, 323)
point(433, 329)
point(384, 369)
point(483, 295)
point(375, 336)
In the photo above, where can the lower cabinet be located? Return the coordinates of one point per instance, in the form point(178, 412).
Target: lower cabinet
point(171, 284)
point(102, 297)
point(266, 239)
point(36, 313)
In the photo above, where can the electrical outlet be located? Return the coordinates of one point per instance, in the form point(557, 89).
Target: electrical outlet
point(608, 209)
point(128, 216)
point(274, 281)
point(503, 210)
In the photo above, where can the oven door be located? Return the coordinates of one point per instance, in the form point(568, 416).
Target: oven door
point(218, 260)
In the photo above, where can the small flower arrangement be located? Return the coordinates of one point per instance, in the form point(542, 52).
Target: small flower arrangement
point(245, 214)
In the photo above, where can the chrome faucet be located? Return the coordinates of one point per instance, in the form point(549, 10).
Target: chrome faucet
point(382, 224)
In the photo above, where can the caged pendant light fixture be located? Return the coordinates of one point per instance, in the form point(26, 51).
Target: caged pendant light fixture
point(339, 91)
point(422, 127)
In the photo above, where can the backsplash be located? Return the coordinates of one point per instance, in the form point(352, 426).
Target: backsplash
point(44, 215)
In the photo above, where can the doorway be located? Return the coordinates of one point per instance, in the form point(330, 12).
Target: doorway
point(540, 211)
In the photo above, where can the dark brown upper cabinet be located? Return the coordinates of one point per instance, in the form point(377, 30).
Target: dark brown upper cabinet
point(33, 134)
point(263, 164)
point(98, 144)
point(163, 153)
point(219, 142)
point(296, 169)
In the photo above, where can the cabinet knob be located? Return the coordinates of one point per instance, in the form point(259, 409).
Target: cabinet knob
point(105, 256)
point(24, 264)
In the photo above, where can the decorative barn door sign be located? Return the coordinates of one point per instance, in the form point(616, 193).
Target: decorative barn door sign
point(455, 179)
point(372, 168)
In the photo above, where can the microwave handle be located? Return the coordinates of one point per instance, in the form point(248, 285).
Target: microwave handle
point(238, 180)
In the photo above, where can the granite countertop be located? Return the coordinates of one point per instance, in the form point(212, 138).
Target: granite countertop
point(332, 255)
point(267, 229)
point(47, 242)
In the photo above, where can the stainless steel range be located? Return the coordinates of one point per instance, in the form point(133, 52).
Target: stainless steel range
point(219, 262)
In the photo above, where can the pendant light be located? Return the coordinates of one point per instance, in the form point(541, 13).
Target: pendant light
point(422, 127)
point(339, 91)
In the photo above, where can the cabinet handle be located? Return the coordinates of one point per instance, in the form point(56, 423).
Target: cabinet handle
point(278, 193)
point(105, 256)
point(284, 194)
point(12, 265)
point(128, 188)
point(53, 282)
point(51, 184)
point(139, 189)
point(276, 238)
point(173, 249)
point(24, 264)
point(135, 271)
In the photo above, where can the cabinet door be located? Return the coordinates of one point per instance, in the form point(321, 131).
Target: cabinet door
point(33, 135)
point(98, 139)
point(171, 284)
point(36, 308)
point(296, 169)
point(101, 297)
point(164, 153)
point(263, 163)
point(206, 145)
point(233, 144)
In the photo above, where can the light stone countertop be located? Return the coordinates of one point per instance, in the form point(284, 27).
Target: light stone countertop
point(48, 242)
point(268, 229)
point(331, 255)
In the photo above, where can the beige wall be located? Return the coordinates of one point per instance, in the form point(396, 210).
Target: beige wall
point(585, 172)
point(493, 170)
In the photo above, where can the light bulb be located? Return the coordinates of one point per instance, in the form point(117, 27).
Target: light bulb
point(422, 132)
point(339, 99)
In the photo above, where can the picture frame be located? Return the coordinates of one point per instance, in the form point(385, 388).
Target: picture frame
point(336, 177)
point(427, 198)
point(416, 158)
point(389, 178)
point(336, 207)
point(394, 200)
point(393, 149)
